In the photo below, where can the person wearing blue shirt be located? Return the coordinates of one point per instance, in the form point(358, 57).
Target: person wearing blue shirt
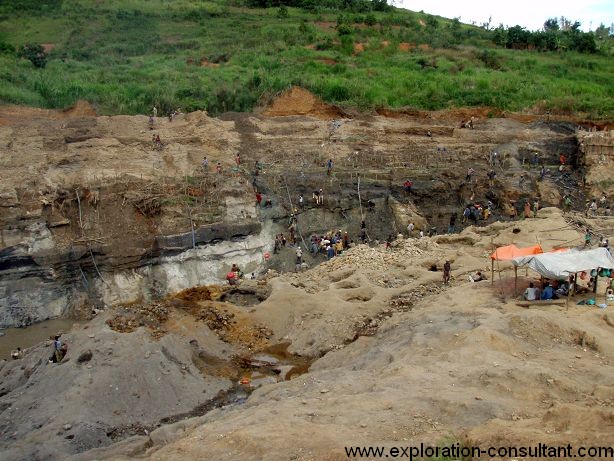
point(548, 293)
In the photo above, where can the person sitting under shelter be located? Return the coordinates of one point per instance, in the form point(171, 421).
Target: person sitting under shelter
point(531, 293)
point(562, 290)
point(548, 293)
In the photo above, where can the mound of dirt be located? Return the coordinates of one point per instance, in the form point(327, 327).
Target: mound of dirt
point(299, 101)
point(81, 108)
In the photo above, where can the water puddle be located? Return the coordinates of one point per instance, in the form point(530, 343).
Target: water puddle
point(245, 297)
point(273, 364)
point(12, 338)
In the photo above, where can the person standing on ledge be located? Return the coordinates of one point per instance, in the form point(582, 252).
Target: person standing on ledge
point(446, 273)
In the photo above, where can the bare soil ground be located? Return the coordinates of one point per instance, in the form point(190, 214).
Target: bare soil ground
point(461, 363)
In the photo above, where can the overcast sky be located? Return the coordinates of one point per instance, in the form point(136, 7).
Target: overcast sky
point(528, 13)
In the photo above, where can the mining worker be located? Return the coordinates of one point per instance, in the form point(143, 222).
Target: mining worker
point(59, 350)
point(446, 272)
point(339, 247)
point(562, 159)
point(238, 160)
point(592, 208)
point(155, 111)
point(292, 229)
point(329, 166)
point(205, 164)
point(363, 235)
point(17, 354)
point(587, 238)
point(299, 259)
point(316, 197)
point(258, 199)
point(452, 226)
point(527, 210)
point(567, 202)
point(301, 201)
point(410, 229)
point(535, 207)
point(407, 185)
point(603, 201)
point(491, 177)
point(388, 243)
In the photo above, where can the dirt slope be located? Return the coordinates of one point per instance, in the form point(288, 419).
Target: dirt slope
point(463, 363)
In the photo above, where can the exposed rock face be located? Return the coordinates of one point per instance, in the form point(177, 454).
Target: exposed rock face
point(92, 213)
point(598, 154)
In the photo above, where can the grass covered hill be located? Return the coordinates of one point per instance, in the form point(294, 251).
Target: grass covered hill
point(126, 55)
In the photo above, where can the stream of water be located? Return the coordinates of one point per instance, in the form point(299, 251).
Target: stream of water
point(12, 338)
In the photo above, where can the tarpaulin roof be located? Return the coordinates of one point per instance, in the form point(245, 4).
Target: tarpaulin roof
point(509, 252)
point(561, 265)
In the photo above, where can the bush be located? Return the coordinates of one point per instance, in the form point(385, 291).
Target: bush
point(344, 29)
point(490, 59)
point(370, 20)
point(7, 48)
point(282, 12)
point(34, 53)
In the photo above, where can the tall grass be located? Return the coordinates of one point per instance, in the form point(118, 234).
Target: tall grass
point(124, 56)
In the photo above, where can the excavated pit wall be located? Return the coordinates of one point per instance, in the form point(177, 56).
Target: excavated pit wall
point(38, 283)
point(41, 278)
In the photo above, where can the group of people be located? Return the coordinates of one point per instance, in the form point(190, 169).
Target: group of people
point(467, 123)
point(331, 244)
point(234, 275)
point(474, 212)
point(593, 207)
point(530, 210)
point(59, 349)
point(550, 289)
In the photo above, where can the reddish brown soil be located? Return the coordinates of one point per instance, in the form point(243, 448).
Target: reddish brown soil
point(359, 48)
point(204, 62)
point(298, 101)
point(330, 62)
point(326, 25)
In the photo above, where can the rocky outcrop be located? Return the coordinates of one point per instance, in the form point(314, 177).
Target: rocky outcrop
point(39, 281)
point(93, 213)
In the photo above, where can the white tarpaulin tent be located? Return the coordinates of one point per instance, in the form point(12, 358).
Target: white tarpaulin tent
point(560, 266)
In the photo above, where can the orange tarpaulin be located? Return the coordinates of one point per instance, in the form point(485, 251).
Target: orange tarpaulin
point(559, 250)
point(509, 252)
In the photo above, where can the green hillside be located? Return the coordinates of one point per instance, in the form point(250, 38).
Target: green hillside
point(125, 55)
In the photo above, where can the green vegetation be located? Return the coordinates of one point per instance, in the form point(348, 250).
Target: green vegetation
point(126, 55)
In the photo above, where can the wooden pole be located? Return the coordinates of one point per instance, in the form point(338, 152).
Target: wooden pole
point(492, 272)
point(568, 293)
point(515, 280)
